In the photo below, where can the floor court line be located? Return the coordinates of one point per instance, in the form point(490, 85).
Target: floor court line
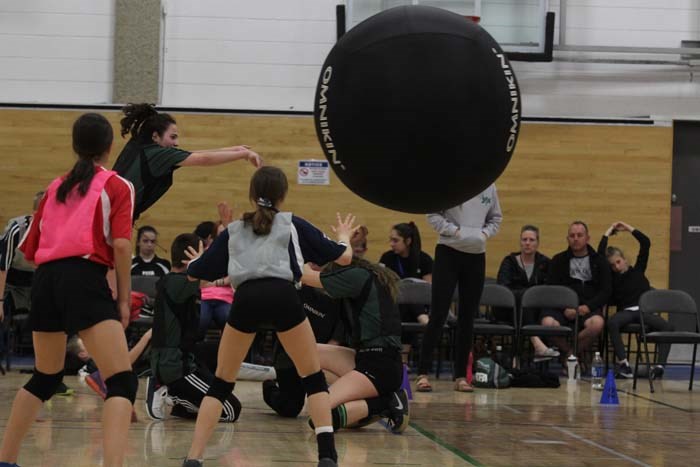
point(665, 404)
point(453, 449)
point(600, 446)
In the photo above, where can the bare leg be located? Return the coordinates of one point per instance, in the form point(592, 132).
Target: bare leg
point(560, 342)
point(592, 328)
point(50, 351)
point(232, 350)
point(538, 345)
point(107, 344)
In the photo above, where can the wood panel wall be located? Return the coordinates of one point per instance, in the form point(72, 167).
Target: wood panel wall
point(559, 173)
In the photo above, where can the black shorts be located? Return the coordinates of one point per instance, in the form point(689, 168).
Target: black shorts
point(266, 304)
point(71, 295)
point(382, 366)
point(558, 315)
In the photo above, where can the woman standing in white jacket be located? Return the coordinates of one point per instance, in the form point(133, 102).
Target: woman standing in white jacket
point(460, 260)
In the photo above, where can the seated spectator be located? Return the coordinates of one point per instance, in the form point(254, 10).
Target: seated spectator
point(407, 259)
point(582, 269)
point(521, 270)
point(146, 262)
point(628, 284)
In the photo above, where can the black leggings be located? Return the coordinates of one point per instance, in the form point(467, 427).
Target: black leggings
point(466, 271)
point(625, 317)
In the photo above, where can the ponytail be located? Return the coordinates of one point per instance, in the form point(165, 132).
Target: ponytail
point(268, 187)
point(92, 138)
point(261, 219)
point(80, 175)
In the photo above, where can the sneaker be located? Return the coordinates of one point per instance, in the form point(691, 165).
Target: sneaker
point(83, 372)
point(155, 399)
point(624, 371)
point(657, 372)
point(399, 412)
point(192, 463)
point(327, 462)
point(63, 390)
point(95, 382)
point(548, 354)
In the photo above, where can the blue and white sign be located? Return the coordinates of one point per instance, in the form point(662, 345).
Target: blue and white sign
point(313, 172)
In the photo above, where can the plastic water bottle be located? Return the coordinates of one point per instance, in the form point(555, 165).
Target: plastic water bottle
point(597, 372)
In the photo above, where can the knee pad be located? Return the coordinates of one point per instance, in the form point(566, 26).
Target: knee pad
point(43, 386)
point(124, 384)
point(315, 383)
point(220, 389)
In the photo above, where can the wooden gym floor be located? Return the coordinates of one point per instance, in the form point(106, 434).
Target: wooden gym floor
point(509, 427)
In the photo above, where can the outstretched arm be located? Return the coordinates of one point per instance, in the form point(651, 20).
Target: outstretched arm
point(220, 156)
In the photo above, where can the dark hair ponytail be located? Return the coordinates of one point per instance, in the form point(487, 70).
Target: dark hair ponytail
point(92, 137)
point(410, 230)
point(141, 120)
point(267, 188)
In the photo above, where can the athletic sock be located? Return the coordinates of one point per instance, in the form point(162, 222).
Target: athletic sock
point(340, 417)
point(377, 405)
point(326, 443)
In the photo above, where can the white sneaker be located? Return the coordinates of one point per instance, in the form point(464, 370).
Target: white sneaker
point(156, 399)
point(548, 354)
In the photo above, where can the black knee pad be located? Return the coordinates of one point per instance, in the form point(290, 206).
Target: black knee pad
point(43, 386)
point(220, 389)
point(315, 383)
point(124, 384)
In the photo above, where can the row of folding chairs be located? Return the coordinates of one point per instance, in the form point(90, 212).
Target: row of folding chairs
point(497, 296)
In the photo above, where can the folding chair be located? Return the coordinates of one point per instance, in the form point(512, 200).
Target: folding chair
point(498, 296)
point(419, 292)
point(145, 284)
point(548, 296)
point(668, 301)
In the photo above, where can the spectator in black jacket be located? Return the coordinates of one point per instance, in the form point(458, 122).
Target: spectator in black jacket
point(628, 284)
point(582, 269)
point(521, 270)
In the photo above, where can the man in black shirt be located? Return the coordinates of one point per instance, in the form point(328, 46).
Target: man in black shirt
point(628, 285)
point(586, 272)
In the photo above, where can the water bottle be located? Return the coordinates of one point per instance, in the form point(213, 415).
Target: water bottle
point(597, 372)
point(572, 368)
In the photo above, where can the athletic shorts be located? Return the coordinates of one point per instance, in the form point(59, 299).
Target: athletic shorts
point(71, 295)
point(266, 304)
point(382, 366)
point(558, 315)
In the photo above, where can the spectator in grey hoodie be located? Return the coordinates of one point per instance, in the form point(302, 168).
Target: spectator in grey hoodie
point(460, 260)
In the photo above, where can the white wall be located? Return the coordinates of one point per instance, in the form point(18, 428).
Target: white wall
point(56, 51)
point(266, 55)
point(612, 90)
point(244, 54)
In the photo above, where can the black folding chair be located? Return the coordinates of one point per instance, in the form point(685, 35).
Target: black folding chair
point(548, 296)
point(667, 301)
point(419, 292)
point(145, 284)
point(501, 297)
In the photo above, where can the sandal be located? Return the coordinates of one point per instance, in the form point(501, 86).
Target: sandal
point(461, 385)
point(422, 384)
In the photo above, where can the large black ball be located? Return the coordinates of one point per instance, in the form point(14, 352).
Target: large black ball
point(417, 109)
